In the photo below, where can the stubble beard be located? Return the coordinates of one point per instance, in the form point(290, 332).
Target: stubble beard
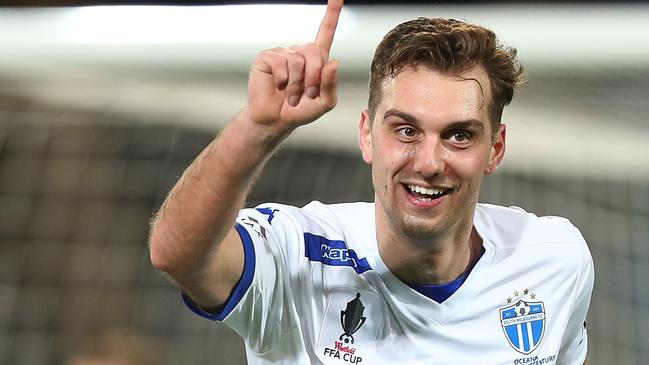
point(421, 229)
point(416, 228)
point(404, 225)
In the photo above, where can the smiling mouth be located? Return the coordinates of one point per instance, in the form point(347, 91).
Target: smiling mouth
point(423, 193)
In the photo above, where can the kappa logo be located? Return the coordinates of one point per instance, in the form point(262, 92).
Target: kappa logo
point(523, 321)
point(351, 320)
point(333, 253)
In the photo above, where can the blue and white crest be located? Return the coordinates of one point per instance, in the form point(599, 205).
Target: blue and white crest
point(524, 325)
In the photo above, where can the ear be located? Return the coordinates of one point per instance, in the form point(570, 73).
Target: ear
point(497, 150)
point(365, 136)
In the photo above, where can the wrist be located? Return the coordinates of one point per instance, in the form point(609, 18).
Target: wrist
point(260, 133)
point(250, 142)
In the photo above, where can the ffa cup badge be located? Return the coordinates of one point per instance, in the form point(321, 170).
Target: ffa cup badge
point(350, 326)
point(523, 321)
point(351, 319)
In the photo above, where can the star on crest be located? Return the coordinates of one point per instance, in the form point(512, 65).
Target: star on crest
point(532, 295)
point(526, 291)
point(509, 300)
point(515, 293)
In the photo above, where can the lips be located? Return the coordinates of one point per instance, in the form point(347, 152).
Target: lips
point(427, 193)
point(426, 197)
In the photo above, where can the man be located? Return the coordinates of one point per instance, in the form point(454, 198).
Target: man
point(424, 275)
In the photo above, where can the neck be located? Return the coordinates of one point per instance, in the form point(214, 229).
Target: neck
point(432, 258)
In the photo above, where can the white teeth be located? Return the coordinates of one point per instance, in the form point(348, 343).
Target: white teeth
point(423, 190)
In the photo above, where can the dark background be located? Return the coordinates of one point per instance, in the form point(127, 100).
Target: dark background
point(216, 2)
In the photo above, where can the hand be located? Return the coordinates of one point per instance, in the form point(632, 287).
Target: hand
point(290, 87)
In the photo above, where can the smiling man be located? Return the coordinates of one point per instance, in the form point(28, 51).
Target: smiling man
point(430, 147)
point(425, 274)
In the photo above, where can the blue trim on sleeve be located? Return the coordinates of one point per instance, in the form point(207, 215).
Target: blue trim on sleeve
point(239, 289)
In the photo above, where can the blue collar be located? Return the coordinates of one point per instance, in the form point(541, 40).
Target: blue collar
point(441, 292)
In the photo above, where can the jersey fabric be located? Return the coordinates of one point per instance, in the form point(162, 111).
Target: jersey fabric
point(315, 291)
point(441, 292)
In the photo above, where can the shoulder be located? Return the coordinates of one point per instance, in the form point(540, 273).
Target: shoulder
point(335, 235)
point(523, 241)
point(330, 220)
point(341, 212)
point(514, 227)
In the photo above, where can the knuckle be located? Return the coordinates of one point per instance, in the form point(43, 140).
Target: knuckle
point(295, 82)
point(278, 63)
point(296, 60)
point(271, 58)
point(314, 67)
point(298, 48)
point(267, 53)
point(312, 78)
point(312, 48)
point(309, 50)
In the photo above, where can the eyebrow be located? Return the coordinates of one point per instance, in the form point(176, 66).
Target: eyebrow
point(400, 114)
point(468, 123)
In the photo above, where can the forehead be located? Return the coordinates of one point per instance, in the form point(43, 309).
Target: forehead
point(428, 93)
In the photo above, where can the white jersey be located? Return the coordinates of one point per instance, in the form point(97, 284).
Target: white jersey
point(316, 291)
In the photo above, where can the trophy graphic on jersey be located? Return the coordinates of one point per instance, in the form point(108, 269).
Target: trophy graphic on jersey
point(351, 319)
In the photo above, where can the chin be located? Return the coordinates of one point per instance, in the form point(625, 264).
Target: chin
point(420, 227)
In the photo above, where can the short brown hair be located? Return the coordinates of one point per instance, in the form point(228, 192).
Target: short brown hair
point(447, 45)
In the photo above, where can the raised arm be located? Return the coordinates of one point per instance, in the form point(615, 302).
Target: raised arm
point(192, 237)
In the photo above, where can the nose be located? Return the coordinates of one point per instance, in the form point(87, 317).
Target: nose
point(429, 157)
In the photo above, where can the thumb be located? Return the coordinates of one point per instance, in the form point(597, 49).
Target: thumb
point(329, 85)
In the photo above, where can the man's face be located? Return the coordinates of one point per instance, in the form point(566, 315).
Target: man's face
point(429, 145)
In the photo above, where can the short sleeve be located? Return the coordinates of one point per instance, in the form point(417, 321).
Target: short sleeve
point(574, 344)
point(270, 237)
point(239, 289)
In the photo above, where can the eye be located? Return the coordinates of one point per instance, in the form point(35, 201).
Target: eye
point(407, 132)
point(460, 137)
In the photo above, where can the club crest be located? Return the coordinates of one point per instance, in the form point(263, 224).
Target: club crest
point(523, 321)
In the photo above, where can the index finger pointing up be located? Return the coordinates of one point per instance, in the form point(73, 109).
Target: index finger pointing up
point(328, 25)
